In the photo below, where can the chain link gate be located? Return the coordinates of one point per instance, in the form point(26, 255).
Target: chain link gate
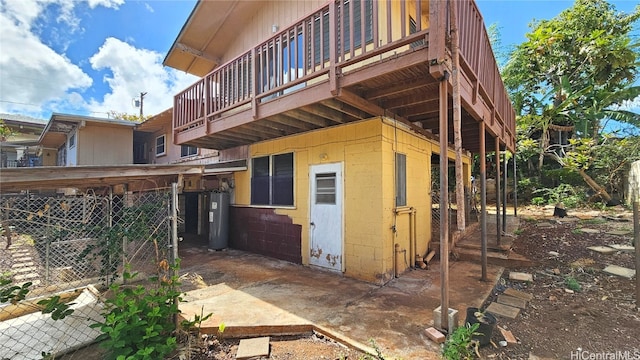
point(70, 247)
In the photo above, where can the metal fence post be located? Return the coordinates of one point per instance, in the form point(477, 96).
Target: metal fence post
point(174, 222)
point(109, 226)
point(47, 266)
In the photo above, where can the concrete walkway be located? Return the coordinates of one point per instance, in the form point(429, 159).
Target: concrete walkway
point(251, 292)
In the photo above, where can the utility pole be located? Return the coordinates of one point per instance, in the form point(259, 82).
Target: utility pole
point(142, 94)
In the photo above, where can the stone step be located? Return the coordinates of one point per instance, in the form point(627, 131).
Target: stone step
point(512, 301)
point(520, 276)
point(518, 294)
point(25, 269)
point(603, 250)
point(22, 264)
point(23, 259)
point(25, 277)
point(620, 271)
point(503, 310)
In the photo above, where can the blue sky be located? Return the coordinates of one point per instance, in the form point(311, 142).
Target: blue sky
point(90, 57)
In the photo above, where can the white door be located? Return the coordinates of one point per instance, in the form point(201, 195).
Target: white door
point(325, 228)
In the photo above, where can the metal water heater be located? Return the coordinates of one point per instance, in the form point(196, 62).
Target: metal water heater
point(218, 220)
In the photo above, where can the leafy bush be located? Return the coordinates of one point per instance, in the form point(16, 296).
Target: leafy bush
point(569, 195)
point(139, 321)
point(12, 293)
point(538, 200)
point(459, 345)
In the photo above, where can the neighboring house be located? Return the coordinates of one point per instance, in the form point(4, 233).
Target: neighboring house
point(336, 107)
point(19, 147)
point(71, 140)
point(153, 144)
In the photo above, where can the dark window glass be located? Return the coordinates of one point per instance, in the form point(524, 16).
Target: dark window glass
point(186, 150)
point(272, 180)
point(260, 181)
point(283, 179)
point(160, 145)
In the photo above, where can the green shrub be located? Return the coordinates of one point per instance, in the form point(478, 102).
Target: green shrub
point(459, 345)
point(139, 321)
point(538, 201)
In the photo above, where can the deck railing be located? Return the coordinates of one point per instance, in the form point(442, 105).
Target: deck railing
point(476, 54)
point(336, 35)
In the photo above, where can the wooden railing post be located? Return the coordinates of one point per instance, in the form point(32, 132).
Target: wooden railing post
point(437, 33)
point(253, 71)
point(333, 44)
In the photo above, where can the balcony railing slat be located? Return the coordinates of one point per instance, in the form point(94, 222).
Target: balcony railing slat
point(330, 38)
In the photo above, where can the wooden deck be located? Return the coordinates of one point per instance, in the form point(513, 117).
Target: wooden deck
point(305, 78)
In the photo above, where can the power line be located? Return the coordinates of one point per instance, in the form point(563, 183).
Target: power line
point(19, 103)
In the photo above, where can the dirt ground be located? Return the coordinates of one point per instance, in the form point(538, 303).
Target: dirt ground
point(313, 347)
point(600, 317)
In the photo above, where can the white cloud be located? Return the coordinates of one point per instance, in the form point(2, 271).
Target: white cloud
point(113, 4)
point(31, 72)
point(36, 80)
point(132, 71)
point(148, 7)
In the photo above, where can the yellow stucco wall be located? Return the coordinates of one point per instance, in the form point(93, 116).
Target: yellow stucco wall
point(367, 150)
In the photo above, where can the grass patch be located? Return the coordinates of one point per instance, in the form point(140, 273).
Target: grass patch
point(518, 231)
point(573, 284)
point(594, 221)
point(576, 231)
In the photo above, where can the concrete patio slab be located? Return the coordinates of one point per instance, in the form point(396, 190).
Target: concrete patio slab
point(261, 296)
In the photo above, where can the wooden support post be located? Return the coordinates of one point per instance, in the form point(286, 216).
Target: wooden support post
point(444, 211)
point(483, 200)
point(497, 159)
point(504, 193)
point(636, 243)
point(515, 187)
point(457, 119)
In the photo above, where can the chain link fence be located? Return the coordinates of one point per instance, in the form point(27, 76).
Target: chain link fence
point(71, 248)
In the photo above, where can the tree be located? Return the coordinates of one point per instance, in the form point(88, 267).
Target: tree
point(127, 117)
point(571, 75)
point(5, 131)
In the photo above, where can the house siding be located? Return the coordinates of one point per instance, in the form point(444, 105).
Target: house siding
point(102, 145)
point(259, 28)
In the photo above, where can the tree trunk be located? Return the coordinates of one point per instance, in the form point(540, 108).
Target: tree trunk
point(457, 119)
point(597, 188)
point(544, 142)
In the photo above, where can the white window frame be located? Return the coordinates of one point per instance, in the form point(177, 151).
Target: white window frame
point(72, 140)
point(164, 145)
point(197, 150)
